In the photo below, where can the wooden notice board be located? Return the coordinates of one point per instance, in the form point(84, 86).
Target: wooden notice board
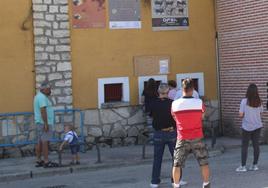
point(151, 65)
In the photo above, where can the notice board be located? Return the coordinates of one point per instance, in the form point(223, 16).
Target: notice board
point(151, 65)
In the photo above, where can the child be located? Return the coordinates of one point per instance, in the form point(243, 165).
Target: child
point(72, 139)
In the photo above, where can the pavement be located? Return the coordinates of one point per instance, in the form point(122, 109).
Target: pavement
point(15, 169)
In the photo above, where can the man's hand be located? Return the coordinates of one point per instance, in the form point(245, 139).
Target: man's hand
point(46, 129)
point(60, 149)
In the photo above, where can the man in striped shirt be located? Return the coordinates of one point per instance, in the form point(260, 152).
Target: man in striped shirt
point(187, 112)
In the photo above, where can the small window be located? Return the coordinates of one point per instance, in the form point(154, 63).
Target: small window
point(113, 92)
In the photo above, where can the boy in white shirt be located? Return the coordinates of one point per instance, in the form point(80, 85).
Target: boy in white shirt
point(72, 139)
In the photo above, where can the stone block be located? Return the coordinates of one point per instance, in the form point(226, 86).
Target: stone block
point(39, 8)
point(90, 139)
point(54, 76)
point(64, 9)
point(133, 131)
point(67, 91)
point(91, 117)
point(53, 9)
point(48, 1)
point(48, 33)
point(66, 56)
point(38, 31)
point(64, 25)
point(39, 49)
point(50, 17)
point(65, 100)
point(20, 138)
point(38, 15)
point(67, 75)
point(123, 111)
point(37, 1)
point(137, 118)
point(53, 41)
point(63, 83)
point(118, 131)
point(55, 91)
point(41, 40)
point(130, 141)
point(42, 69)
point(117, 142)
point(9, 128)
point(94, 131)
point(55, 25)
point(63, 48)
point(108, 116)
point(65, 41)
point(62, 17)
point(61, 33)
point(61, 2)
point(40, 78)
point(41, 23)
point(106, 130)
point(66, 66)
point(49, 48)
point(55, 57)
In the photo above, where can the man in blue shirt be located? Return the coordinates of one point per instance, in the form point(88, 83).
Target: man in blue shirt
point(44, 120)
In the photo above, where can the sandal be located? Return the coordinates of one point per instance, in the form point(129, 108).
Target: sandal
point(39, 163)
point(51, 165)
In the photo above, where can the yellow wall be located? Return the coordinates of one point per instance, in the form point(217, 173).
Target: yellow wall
point(16, 57)
point(98, 53)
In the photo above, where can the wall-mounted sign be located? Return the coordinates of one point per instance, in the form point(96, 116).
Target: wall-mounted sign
point(88, 13)
point(124, 14)
point(170, 14)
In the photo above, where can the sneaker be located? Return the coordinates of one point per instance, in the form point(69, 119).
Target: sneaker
point(182, 183)
point(154, 185)
point(176, 187)
point(206, 186)
point(253, 168)
point(241, 169)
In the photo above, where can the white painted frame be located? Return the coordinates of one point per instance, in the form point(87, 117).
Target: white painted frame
point(196, 75)
point(142, 79)
point(113, 80)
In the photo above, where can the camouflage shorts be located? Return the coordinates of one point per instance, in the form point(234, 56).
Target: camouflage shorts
point(185, 147)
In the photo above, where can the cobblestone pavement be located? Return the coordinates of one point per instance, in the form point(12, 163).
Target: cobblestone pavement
point(138, 176)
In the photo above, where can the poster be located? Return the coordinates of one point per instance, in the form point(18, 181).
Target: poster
point(170, 15)
point(88, 14)
point(163, 66)
point(124, 14)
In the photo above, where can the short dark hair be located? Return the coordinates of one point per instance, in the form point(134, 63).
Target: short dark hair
point(187, 84)
point(172, 83)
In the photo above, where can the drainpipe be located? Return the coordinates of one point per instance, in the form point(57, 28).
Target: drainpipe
point(218, 69)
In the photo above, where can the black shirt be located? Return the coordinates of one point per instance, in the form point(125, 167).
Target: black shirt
point(161, 113)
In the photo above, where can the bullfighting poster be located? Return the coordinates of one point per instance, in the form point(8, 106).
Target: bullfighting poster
point(170, 14)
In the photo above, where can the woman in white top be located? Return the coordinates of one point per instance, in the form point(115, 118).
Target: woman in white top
point(250, 110)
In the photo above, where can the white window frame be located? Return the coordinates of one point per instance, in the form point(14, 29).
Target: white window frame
point(112, 80)
point(196, 75)
point(142, 79)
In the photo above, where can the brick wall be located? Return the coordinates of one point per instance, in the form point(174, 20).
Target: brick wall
point(243, 52)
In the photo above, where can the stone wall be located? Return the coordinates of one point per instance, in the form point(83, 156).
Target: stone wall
point(52, 49)
point(118, 126)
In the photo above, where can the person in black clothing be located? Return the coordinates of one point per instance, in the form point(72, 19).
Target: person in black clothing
point(164, 130)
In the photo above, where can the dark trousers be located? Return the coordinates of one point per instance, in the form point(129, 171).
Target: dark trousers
point(161, 139)
point(254, 136)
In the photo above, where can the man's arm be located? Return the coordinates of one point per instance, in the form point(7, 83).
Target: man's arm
point(44, 117)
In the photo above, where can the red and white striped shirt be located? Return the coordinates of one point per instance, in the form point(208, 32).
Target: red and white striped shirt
point(187, 112)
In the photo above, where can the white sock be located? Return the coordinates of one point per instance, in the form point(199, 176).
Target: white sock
point(205, 183)
point(176, 185)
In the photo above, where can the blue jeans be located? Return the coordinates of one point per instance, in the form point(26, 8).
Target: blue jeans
point(161, 139)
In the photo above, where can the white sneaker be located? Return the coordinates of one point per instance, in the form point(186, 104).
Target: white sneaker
point(241, 169)
point(253, 168)
point(182, 183)
point(154, 185)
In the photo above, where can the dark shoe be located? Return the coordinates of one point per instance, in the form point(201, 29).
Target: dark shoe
point(72, 163)
point(206, 186)
point(51, 165)
point(39, 163)
point(77, 163)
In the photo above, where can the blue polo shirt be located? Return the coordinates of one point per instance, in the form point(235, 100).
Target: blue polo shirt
point(40, 101)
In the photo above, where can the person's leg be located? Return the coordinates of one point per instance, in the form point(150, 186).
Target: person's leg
point(176, 172)
point(159, 147)
point(45, 151)
point(244, 151)
point(255, 142)
point(205, 173)
point(38, 151)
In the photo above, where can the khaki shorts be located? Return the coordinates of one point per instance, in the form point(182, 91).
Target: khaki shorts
point(184, 147)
